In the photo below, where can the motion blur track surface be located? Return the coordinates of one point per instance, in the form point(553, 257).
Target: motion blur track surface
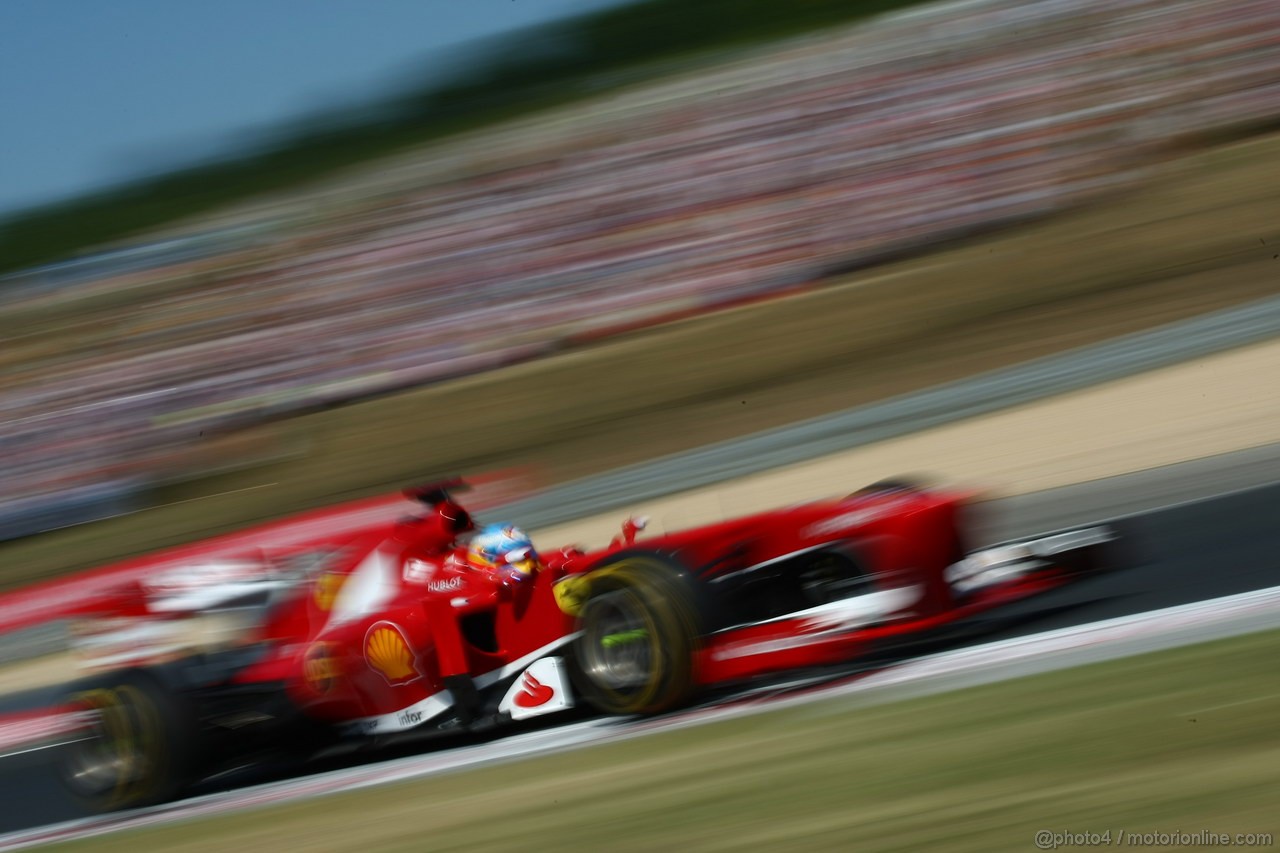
point(1194, 531)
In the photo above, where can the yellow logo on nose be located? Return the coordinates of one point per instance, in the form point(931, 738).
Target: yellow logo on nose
point(388, 653)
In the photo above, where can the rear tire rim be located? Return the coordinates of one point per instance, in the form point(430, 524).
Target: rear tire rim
point(111, 756)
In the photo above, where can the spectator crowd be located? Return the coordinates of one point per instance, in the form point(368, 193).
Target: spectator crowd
point(769, 172)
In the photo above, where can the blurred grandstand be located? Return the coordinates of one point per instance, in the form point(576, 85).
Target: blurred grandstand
point(766, 174)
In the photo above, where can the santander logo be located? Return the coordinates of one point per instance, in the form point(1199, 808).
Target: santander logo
point(533, 692)
point(543, 688)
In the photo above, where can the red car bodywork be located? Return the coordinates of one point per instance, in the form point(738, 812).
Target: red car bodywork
point(391, 632)
point(368, 640)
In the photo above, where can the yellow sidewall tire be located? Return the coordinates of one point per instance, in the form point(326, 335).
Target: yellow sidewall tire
point(659, 599)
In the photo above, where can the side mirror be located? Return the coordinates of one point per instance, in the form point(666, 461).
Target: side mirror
point(630, 528)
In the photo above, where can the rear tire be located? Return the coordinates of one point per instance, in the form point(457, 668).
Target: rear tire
point(140, 751)
point(639, 636)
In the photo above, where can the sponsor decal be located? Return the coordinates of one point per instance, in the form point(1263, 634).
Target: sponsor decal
point(408, 718)
point(451, 584)
point(320, 667)
point(438, 703)
point(418, 571)
point(327, 587)
point(533, 692)
point(542, 689)
point(387, 651)
point(571, 593)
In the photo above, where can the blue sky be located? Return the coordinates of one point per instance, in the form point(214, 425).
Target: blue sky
point(93, 92)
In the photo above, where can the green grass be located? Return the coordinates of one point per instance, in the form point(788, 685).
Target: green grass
point(1176, 741)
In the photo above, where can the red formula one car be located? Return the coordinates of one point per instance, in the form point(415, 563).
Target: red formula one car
point(393, 636)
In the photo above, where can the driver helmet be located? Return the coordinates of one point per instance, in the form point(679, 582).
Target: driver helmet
point(502, 547)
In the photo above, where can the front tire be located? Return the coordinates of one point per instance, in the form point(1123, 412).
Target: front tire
point(141, 748)
point(639, 636)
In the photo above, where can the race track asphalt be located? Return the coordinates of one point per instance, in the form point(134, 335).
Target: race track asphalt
point(1191, 532)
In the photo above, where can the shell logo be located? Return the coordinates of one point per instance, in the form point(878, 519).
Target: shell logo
point(320, 667)
point(388, 653)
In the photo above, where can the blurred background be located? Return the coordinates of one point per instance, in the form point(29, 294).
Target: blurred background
point(320, 301)
point(259, 270)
